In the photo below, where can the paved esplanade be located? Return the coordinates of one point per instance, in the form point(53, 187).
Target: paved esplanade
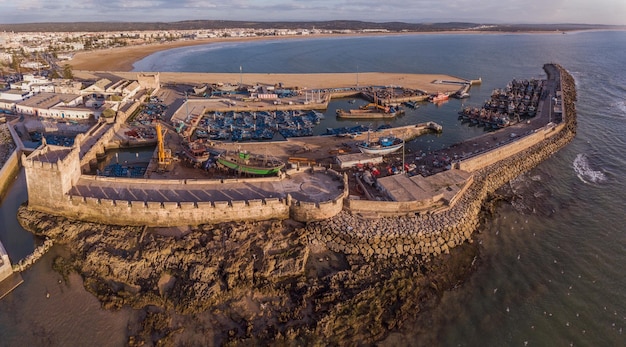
point(305, 186)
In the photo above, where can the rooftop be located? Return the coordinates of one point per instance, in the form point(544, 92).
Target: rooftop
point(50, 154)
point(48, 100)
point(417, 188)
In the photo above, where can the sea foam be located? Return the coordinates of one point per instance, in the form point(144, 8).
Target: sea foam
point(585, 172)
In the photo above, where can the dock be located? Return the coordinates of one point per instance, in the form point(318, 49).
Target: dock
point(9, 280)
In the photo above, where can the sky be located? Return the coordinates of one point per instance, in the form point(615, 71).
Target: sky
point(411, 11)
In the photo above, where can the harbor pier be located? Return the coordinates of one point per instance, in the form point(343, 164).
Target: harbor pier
point(9, 280)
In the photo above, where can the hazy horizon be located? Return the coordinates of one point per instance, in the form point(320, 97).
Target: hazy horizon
point(607, 12)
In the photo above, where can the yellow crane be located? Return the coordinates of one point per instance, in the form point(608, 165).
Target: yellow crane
point(164, 156)
point(374, 104)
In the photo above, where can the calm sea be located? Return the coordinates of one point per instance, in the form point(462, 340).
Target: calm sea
point(552, 260)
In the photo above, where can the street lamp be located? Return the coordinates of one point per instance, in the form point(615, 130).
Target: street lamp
point(552, 99)
point(550, 113)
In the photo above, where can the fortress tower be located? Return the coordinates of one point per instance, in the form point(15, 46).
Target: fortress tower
point(51, 171)
point(149, 80)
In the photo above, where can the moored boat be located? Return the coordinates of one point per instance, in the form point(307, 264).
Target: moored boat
point(196, 152)
point(246, 162)
point(371, 112)
point(382, 146)
point(440, 97)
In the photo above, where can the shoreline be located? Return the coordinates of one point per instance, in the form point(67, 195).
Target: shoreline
point(122, 59)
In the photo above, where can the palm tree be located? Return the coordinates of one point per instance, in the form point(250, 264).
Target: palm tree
point(67, 72)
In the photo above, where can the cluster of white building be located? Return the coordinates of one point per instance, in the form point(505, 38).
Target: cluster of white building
point(72, 100)
point(64, 43)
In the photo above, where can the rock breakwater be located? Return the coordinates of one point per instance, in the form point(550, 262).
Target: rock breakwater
point(422, 236)
point(33, 257)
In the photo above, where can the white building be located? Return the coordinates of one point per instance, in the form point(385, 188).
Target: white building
point(51, 105)
point(100, 87)
point(6, 58)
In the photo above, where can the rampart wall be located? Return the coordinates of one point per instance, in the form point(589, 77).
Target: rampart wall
point(395, 208)
point(303, 211)
point(5, 264)
point(500, 153)
point(435, 203)
point(154, 213)
point(420, 236)
point(8, 171)
point(12, 164)
point(99, 146)
point(172, 213)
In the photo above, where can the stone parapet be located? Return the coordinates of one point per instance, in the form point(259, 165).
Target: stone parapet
point(167, 213)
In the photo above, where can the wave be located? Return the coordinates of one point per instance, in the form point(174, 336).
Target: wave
point(585, 172)
point(621, 105)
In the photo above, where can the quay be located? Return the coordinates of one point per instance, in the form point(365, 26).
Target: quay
point(9, 280)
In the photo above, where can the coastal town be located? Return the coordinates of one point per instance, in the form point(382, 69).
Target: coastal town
point(230, 155)
point(49, 51)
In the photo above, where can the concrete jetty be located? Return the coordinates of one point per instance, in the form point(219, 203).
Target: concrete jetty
point(9, 280)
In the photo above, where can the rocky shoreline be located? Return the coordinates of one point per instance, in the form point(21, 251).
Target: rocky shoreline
point(345, 280)
point(256, 283)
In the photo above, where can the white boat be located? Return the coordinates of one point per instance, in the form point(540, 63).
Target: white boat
point(382, 146)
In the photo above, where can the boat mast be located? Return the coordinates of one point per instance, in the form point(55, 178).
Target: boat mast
point(404, 172)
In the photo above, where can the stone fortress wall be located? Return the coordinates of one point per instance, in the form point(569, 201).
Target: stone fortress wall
point(420, 236)
point(418, 228)
point(5, 264)
point(11, 166)
point(49, 184)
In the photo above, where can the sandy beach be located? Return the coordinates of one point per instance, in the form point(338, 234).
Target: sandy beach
point(119, 61)
point(123, 58)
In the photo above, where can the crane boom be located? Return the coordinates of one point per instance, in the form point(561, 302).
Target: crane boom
point(159, 134)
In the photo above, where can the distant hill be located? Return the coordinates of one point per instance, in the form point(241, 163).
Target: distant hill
point(327, 25)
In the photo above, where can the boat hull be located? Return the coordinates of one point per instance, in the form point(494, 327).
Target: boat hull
point(379, 150)
point(367, 114)
point(254, 166)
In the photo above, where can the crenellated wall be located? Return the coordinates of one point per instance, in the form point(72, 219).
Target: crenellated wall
point(6, 268)
point(500, 153)
point(103, 133)
point(44, 195)
point(51, 171)
point(8, 171)
point(304, 211)
point(154, 213)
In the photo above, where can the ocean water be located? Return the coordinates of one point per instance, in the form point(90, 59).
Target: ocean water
point(551, 267)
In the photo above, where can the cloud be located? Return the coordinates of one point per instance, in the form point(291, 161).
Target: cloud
point(28, 5)
point(198, 4)
point(480, 11)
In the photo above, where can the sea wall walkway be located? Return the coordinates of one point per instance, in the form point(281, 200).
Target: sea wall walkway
point(9, 280)
point(9, 156)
